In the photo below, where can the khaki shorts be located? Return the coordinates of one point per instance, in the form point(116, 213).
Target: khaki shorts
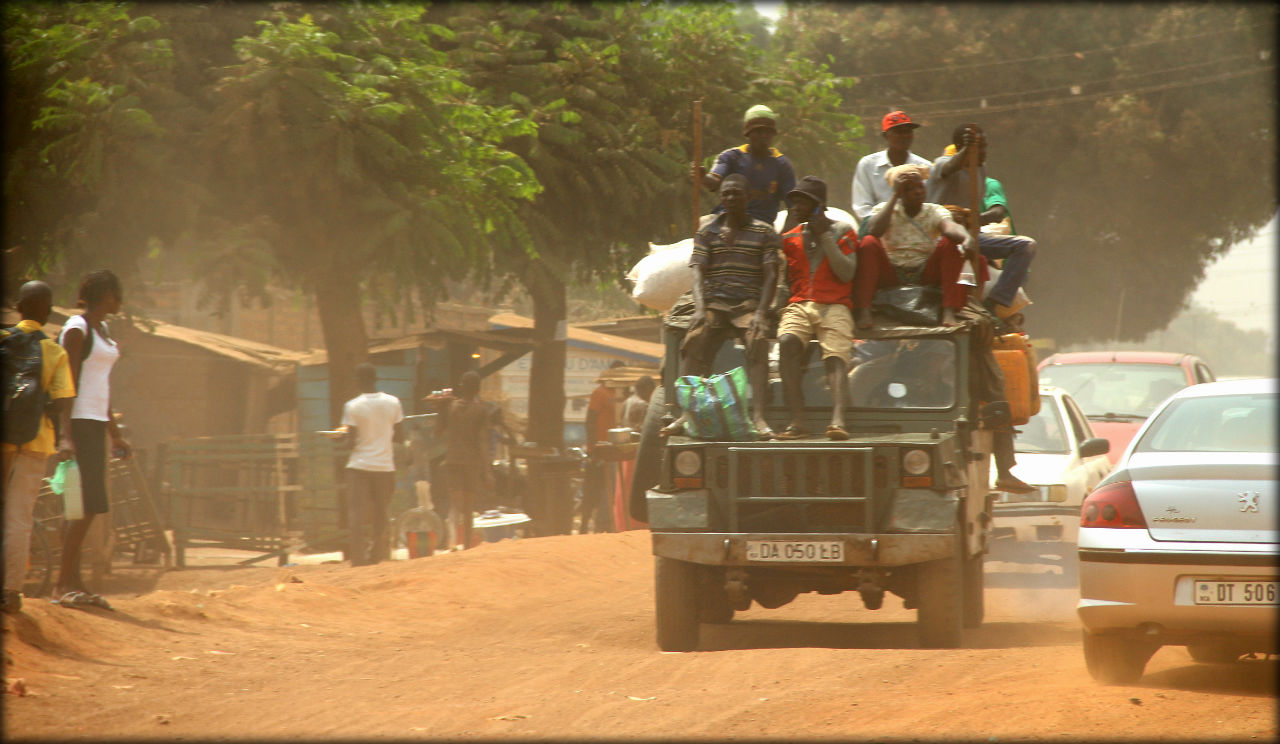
point(832, 324)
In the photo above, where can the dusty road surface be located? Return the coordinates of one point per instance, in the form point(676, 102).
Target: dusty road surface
point(553, 638)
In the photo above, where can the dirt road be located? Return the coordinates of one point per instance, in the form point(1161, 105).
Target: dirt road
point(553, 638)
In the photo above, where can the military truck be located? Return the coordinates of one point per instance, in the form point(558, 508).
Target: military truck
point(902, 506)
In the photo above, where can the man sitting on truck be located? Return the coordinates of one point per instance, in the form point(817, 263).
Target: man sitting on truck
point(735, 270)
point(910, 241)
point(820, 266)
point(949, 185)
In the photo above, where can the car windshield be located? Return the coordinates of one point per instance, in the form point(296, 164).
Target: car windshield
point(1124, 389)
point(1043, 432)
point(903, 373)
point(1225, 423)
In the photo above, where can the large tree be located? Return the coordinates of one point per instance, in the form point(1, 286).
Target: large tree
point(1136, 142)
point(610, 86)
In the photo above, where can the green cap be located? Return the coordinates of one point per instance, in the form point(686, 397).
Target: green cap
point(759, 111)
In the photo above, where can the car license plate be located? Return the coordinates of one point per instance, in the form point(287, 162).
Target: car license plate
point(789, 551)
point(1237, 592)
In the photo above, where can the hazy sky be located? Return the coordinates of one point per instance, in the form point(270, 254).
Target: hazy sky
point(1241, 286)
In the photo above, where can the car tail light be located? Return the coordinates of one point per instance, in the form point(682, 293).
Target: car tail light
point(1113, 505)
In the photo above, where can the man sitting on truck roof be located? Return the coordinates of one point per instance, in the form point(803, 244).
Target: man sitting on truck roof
point(910, 241)
point(949, 185)
point(735, 270)
point(869, 186)
point(820, 266)
point(768, 172)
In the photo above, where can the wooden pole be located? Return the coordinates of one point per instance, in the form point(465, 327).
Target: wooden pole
point(697, 159)
point(975, 211)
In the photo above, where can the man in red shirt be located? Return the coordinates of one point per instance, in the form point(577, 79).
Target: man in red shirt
point(820, 268)
point(602, 415)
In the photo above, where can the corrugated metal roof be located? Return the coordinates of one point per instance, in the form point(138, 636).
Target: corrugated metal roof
point(644, 351)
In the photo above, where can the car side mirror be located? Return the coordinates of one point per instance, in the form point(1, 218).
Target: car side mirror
point(1094, 447)
point(996, 415)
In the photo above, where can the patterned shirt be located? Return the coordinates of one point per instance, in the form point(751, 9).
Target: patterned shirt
point(733, 273)
point(910, 241)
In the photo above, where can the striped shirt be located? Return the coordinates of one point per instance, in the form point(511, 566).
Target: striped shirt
point(733, 273)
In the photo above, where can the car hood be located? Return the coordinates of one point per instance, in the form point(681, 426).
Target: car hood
point(1214, 497)
point(1119, 432)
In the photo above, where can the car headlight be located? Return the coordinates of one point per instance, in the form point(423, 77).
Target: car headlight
point(915, 462)
point(688, 463)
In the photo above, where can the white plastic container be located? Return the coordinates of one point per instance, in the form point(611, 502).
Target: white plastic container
point(72, 498)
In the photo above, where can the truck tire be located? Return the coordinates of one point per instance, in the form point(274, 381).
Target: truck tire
point(974, 585)
point(714, 605)
point(648, 469)
point(940, 594)
point(676, 604)
point(1116, 660)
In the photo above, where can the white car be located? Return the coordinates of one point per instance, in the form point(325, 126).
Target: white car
point(1059, 454)
point(1178, 546)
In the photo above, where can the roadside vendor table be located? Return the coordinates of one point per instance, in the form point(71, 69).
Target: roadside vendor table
point(620, 460)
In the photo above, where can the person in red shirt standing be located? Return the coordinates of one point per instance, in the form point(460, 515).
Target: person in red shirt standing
point(602, 415)
point(820, 267)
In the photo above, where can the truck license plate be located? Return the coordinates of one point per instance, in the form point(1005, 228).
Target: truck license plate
point(1237, 592)
point(788, 551)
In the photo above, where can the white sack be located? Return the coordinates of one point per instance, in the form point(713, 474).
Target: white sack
point(1020, 300)
point(834, 214)
point(663, 275)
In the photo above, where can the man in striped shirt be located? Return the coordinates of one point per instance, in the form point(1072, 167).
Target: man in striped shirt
point(735, 271)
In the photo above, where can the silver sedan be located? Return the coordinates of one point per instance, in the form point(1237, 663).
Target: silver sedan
point(1178, 545)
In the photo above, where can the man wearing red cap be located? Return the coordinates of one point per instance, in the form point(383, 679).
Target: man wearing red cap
point(869, 185)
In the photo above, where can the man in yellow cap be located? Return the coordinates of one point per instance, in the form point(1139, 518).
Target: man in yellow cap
point(769, 174)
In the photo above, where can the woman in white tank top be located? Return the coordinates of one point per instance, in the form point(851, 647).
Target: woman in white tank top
point(91, 353)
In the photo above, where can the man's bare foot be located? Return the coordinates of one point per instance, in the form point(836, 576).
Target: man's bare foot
point(948, 317)
point(675, 428)
point(763, 431)
point(862, 316)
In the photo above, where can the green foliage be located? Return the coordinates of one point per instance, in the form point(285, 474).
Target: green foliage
point(1135, 142)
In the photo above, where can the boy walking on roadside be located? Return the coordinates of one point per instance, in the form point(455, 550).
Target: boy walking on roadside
point(25, 456)
point(372, 420)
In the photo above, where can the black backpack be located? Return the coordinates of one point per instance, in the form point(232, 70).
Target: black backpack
point(25, 398)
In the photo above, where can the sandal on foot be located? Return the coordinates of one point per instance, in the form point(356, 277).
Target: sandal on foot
point(765, 434)
point(793, 432)
point(837, 432)
point(1013, 484)
point(673, 429)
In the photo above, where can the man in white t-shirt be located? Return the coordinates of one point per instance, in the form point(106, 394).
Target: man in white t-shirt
point(372, 422)
point(869, 185)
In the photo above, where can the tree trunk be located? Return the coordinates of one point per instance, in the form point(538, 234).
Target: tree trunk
point(342, 323)
point(546, 373)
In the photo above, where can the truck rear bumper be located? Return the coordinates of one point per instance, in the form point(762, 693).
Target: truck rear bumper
point(730, 549)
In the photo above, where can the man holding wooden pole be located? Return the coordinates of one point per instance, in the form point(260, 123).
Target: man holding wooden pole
point(960, 179)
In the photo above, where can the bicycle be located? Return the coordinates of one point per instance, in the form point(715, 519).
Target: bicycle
point(46, 543)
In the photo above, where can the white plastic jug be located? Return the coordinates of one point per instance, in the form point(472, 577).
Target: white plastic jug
point(72, 498)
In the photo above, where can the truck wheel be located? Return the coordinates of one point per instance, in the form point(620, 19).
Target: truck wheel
point(1116, 660)
point(940, 598)
point(676, 604)
point(713, 601)
point(974, 583)
point(648, 468)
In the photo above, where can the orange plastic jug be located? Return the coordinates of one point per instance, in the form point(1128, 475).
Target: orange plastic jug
point(1017, 361)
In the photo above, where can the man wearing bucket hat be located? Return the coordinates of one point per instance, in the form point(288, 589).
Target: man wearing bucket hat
point(869, 185)
point(820, 268)
point(768, 172)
